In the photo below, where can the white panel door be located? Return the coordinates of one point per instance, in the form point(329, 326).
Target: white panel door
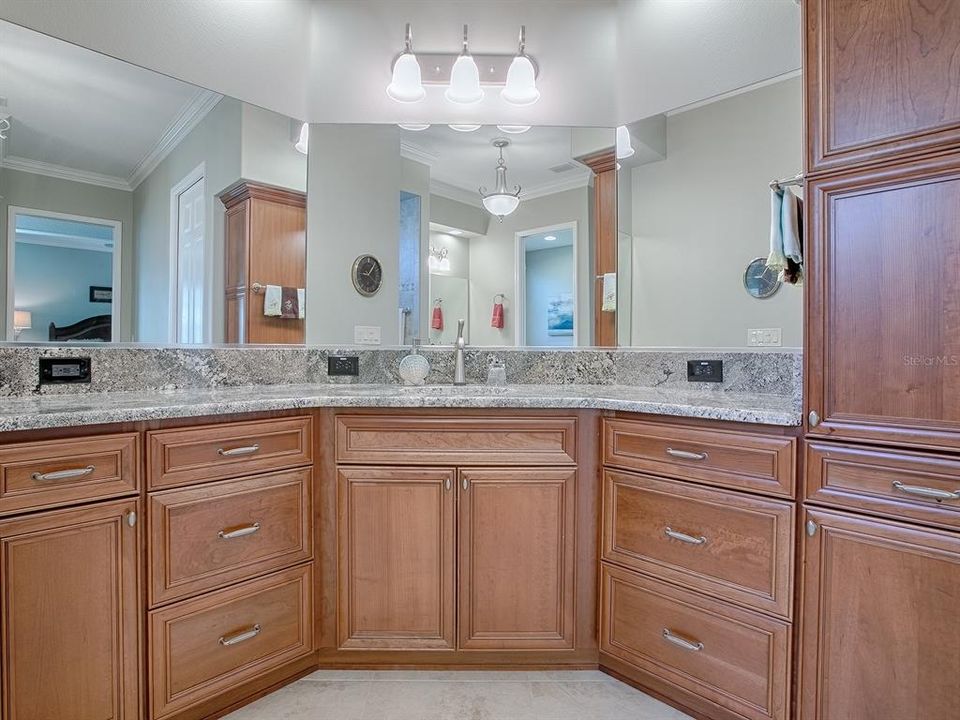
point(191, 264)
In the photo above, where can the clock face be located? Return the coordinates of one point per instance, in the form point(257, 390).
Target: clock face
point(367, 275)
point(759, 280)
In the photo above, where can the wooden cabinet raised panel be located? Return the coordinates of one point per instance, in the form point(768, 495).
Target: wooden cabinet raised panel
point(883, 304)
point(517, 564)
point(71, 614)
point(396, 540)
point(882, 78)
point(880, 637)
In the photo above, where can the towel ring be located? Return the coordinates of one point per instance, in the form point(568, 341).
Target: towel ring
point(501, 297)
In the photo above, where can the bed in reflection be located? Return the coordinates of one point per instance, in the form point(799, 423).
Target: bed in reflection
point(97, 327)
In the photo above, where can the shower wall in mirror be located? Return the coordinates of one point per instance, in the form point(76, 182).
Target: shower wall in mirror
point(140, 208)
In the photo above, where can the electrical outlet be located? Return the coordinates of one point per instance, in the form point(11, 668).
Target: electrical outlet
point(366, 334)
point(764, 337)
point(64, 370)
point(704, 370)
point(343, 365)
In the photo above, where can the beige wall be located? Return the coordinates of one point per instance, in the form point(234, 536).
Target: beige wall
point(702, 214)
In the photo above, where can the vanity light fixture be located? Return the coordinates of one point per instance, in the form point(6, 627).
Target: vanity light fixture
point(513, 129)
point(462, 127)
point(501, 202)
point(521, 87)
point(624, 146)
point(464, 78)
point(304, 140)
point(406, 85)
point(22, 320)
point(438, 260)
point(413, 127)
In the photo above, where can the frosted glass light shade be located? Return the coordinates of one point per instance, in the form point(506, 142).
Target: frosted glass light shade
point(406, 85)
point(463, 127)
point(624, 146)
point(414, 127)
point(521, 88)
point(501, 204)
point(304, 140)
point(464, 82)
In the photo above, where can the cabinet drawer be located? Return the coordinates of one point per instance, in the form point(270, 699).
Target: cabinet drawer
point(375, 440)
point(909, 485)
point(60, 472)
point(208, 536)
point(724, 543)
point(215, 452)
point(205, 646)
point(733, 658)
point(718, 457)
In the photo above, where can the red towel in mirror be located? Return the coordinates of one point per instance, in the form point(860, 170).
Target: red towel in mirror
point(497, 320)
point(437, 322)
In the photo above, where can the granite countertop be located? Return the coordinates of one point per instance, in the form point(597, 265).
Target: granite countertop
point(49, 411)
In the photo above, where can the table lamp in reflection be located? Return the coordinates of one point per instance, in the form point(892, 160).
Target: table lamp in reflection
point(22, 320)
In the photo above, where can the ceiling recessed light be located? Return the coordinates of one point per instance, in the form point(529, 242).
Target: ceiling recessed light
point(549, 238)
point(462, 127)
point(513, 129)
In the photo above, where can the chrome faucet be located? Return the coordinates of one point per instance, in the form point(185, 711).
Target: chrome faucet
point(459, 374)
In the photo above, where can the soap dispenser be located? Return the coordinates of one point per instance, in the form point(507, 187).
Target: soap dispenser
point(414, 367)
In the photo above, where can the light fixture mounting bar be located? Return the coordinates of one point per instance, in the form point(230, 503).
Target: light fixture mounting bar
point(436, 67)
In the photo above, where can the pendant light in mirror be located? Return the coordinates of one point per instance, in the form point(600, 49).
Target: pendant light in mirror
point(464, 78)
point(521, 87)
point(624, 146)
point(501, 202)
point(406, 86)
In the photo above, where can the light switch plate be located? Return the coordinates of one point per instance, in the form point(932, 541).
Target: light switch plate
point(765, 337)
point(366, 334)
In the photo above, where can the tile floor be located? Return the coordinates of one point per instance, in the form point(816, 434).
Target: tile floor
point(457, 695)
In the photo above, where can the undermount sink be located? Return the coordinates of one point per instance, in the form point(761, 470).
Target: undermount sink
point(453, 389)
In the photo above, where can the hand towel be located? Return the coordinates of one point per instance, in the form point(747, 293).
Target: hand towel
point(302, 303)
point(272, 301)
point(790, 227)
point(437, 321)
point(497, 320)
point(290, 303)
point(609, 293)
point(776, 260)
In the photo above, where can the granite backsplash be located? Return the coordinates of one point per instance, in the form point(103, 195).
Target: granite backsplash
point(129, 368)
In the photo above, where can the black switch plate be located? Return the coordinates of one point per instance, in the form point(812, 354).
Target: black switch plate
point(55, 371)
point(705, 370)
point(343, 365)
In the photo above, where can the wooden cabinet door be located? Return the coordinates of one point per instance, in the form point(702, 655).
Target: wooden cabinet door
point(882, 79)
point(71, 614)
point(396, 537)
point(880, 637)
point(517, 560)
point(883, 304)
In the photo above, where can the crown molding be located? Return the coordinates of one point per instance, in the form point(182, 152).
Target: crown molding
point(416, 153)
point(455, 192)
point(190, 115)
point(186, 120)
point(733, 93)
point(61, 172)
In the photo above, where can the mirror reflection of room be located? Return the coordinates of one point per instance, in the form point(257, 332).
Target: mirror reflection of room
point(161, 213)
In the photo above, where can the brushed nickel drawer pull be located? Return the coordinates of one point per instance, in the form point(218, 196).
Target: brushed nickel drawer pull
point(925, 492)
point(241, 531)
point(235, 452)
point(228, 640)
point(64, 474)
point(686, 454)
point(672, 637)
point(683, 537)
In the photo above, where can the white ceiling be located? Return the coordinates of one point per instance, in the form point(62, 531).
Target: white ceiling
point(603, 62)
point(85, 116)
point(467, 160)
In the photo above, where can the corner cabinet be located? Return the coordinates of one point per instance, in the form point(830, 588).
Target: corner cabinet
point(883, 304)
point(71, 613)
point(463, 538)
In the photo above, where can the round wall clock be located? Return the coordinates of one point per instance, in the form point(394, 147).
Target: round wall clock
point(759, 280)
point(367, 275)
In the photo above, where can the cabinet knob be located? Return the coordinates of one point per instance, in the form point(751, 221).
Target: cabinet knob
point(811, 528)
point(465, 484)
point(131, 518)
point(813, 418)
